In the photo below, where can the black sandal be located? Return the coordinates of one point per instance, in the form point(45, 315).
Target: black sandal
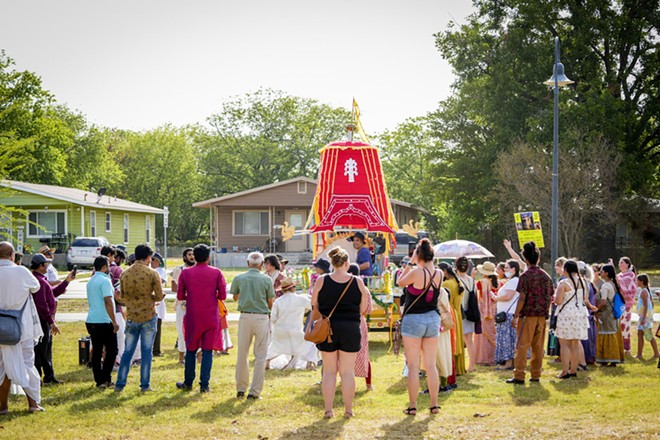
point(434, 409)
point(410, 411)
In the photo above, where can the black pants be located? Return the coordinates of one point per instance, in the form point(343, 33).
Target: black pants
point(156, 350)
point(43, 354)
point(103, 337)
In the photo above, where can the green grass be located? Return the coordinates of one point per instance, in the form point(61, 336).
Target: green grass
point(601, 403)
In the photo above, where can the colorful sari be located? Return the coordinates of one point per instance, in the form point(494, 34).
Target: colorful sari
point(485, 342)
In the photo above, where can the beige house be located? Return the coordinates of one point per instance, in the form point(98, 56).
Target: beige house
point(253, 218)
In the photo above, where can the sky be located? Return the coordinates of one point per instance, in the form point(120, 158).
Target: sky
point(144, 63)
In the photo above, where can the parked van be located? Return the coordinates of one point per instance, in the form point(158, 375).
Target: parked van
point(405, 245)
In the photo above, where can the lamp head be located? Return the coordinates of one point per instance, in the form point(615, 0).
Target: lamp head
point(562, 79)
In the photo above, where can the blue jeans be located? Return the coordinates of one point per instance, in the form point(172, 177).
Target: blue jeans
point(145, 332)
point(205, 371)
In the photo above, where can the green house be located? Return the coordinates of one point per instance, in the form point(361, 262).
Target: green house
point(66, 213)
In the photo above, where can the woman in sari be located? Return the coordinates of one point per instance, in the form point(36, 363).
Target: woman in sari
point(455, 289)
point(485, 342)
point(609, 343)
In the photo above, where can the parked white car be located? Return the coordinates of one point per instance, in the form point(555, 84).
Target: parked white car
point(84, 250)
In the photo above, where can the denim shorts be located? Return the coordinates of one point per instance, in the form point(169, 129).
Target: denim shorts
point(423, 325)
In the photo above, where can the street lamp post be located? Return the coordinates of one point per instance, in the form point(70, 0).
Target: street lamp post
point(166, 221)
point(557, 80)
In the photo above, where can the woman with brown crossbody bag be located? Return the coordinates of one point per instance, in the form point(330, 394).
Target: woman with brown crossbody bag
point(339, 298)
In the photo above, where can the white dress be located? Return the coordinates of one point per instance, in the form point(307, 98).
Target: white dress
point(288, 337)
point(573, 320)
point(444, 357)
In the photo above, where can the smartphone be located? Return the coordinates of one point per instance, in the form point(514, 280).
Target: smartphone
point(75, 270)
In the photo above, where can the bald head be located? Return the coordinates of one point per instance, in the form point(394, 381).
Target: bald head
point(6, 251)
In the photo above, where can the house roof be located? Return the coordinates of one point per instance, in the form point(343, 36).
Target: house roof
point(79, 197)
point(211, 202)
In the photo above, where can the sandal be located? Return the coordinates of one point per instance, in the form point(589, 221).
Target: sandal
point(328, 415)
point(348, 414)
point(410, 411)
point(434, 409)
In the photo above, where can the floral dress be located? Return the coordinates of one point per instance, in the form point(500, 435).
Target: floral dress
point(572, 313)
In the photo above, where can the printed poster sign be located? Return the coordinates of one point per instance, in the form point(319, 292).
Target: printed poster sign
point(528, 225)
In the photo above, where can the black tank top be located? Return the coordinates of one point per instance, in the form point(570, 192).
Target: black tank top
point(348, 308)
point(421, 305)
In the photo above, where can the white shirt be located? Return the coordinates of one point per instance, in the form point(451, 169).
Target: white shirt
point(161, 309)
point(503, 306)
point(15, 289)
point(286, 317)
point(51, 273)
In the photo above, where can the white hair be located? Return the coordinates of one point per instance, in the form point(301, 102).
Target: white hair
point(255, 259)
point(585, 270)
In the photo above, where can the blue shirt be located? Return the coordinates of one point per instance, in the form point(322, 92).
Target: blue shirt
point(98, 288)
point(364, 256)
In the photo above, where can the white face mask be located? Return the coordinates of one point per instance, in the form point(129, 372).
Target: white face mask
point(508, 274)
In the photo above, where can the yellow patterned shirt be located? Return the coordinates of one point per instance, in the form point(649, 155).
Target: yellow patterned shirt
point(140, 289)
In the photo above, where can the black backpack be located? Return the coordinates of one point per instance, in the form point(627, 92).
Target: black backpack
point(472, 312)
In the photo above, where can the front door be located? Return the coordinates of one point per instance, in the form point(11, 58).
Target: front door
point(298, 243)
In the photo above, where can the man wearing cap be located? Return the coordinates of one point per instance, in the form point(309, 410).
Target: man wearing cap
point(201, 287)
point(17, 361)
point(44, 299)
point(363, 254)
point(255, 293)
point(158, 264)
point(52, 276)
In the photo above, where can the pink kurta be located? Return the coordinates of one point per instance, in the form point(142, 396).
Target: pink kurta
point(201, 286)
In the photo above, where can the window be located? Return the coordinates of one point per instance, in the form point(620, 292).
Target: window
point(302, 187)
point(108, 222)
point(125, 228)
point(92, 223)
point(251, 223)
point(148, 223)
point(52, 222)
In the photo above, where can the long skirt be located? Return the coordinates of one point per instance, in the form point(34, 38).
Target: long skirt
point(362, 359)
point(444, 356)
point(589, 344)
point(485, 343)
point(505, 344)
point(609, 348)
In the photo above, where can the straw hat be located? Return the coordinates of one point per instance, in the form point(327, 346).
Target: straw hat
point(46, 250)
point(287, 284)
point(487, 268)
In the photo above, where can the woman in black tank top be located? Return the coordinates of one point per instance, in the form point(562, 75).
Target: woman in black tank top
point(420, 324)
point(340, 354)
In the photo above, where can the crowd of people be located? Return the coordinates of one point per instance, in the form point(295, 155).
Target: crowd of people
point(453, 318)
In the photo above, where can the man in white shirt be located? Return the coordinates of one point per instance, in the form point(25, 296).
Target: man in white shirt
point(17, 361)
point(52, 276)
point(158, 264)
point(180, 306)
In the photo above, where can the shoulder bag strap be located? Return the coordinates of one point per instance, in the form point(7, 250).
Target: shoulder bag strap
point(564, 305)
point(420, 295)
point(342, 295)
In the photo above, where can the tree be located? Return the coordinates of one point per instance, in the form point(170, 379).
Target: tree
point(589, 173)
point(161, 170)
point(410, 157)
point(500, 57)
point(265, 137)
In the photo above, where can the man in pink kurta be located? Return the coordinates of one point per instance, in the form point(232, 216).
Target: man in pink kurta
point(201, 286)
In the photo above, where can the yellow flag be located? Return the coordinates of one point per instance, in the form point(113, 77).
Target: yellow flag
point(358, 124)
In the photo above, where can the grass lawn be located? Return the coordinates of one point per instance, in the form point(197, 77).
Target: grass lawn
point(601, 403)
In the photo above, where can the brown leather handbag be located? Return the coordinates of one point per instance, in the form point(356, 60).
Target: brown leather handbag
point(318, 328)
